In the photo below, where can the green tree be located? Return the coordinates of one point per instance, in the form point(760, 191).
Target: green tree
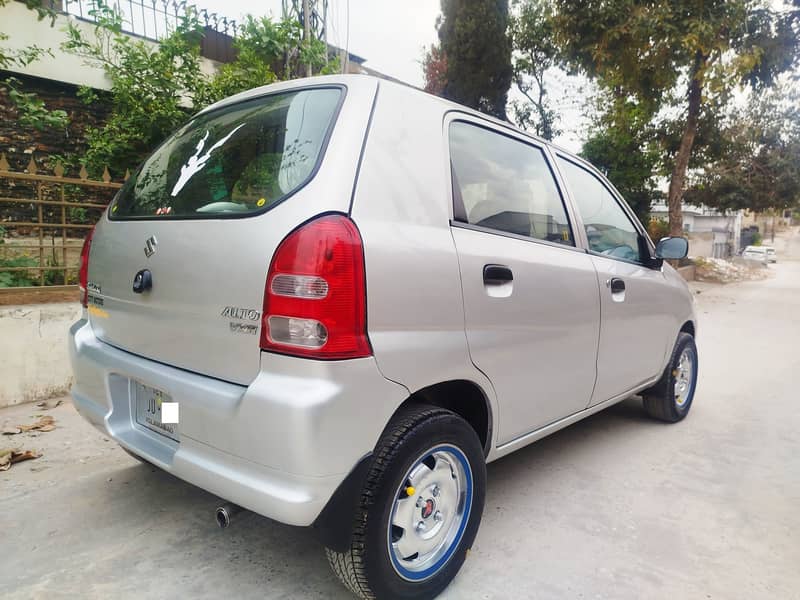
point(623, 144)
point(266, 52)
point(535, 53)
point(474, 37)
point(653, 49)
point(760, 170)
point(155, 88)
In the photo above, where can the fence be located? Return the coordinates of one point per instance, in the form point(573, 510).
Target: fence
point(156, 19)
point(43, 221)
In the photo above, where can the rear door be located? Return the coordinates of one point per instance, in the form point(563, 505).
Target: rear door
point(637, 322)
point(203, 216)
point(530, 295)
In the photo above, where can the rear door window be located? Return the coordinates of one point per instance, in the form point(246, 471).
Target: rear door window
point(234, 161)
point(505, 184)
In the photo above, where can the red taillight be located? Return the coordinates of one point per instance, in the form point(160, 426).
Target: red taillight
point(315, 301)
point(83, 272)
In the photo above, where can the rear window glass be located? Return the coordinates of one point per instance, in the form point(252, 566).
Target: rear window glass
point(234, 161)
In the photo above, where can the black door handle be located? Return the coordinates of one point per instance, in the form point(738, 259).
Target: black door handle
point(617, 286)
point(497, 275)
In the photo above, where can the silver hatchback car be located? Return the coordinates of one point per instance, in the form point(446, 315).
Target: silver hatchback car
point(332, 301)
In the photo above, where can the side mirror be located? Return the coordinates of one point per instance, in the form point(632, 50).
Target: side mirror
point(672, 248)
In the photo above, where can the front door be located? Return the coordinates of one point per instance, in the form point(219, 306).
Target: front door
point(636, 321)
point(530, 295)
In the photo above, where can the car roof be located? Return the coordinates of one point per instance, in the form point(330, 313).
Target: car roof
point(364, 80)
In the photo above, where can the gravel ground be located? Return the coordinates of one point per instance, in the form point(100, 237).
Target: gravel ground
point(616, 506)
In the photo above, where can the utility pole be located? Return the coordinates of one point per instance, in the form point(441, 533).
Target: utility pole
point(313, 16)
point(307, 30)
point(346, 53)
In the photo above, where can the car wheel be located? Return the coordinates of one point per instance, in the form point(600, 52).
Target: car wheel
point(420, 508)
point(671, 398)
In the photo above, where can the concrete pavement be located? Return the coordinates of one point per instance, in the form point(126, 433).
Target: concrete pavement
point(616, 506)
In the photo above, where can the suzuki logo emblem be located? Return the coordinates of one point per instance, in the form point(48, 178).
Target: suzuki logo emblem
point(150, 246)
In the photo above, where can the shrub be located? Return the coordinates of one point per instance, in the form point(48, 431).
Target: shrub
point(657, 228)
point(16, 278)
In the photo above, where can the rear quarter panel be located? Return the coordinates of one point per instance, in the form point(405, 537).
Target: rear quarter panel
point(402, 207)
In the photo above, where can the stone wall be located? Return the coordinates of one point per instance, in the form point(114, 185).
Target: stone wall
point(19, 142)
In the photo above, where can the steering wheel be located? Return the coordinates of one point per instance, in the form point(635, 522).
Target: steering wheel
point(622, 251)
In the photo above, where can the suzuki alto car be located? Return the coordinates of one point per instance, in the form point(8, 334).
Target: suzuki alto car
point(332, 301)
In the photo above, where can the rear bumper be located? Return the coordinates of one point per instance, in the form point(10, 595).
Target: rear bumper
point(279, 447)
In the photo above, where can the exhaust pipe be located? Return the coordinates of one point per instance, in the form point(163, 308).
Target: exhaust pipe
point(225, 513)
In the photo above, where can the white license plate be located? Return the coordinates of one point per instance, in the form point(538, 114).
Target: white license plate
point(148, 410)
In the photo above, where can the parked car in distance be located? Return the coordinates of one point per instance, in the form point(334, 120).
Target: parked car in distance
point(756, 253)
point(772, 256)
point(332, 301)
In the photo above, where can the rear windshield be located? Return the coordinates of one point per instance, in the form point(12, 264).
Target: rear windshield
point(238, 160)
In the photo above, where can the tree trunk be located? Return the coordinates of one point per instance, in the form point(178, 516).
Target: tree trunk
point(676, 184)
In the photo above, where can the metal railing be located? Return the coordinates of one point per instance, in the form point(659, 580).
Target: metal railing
point(43, 221)
point(156, 19)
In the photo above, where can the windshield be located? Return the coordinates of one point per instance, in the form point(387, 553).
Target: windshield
point(241, 159)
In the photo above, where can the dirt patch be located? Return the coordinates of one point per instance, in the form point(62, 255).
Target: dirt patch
point(717, 270)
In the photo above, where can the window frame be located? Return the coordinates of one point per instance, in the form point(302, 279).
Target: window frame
point(342, 88)
point(457, 218)
point(620, 201)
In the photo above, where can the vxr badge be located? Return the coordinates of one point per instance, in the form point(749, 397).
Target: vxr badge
point(150, 246)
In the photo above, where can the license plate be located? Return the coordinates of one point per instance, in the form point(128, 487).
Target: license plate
point(148, 410)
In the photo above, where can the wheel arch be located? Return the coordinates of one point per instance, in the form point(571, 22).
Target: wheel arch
point(465, 398)
point(688, 327)
point(461, 396)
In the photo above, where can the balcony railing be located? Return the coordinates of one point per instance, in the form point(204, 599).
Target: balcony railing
point(156, 19)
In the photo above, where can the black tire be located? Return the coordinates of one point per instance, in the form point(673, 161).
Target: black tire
point(367, 568)
point(660, 401)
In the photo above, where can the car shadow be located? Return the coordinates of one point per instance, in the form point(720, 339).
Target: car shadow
point(261, 554)
point(173, 534)
point(575, 442)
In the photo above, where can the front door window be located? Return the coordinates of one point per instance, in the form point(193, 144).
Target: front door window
point(608, 228)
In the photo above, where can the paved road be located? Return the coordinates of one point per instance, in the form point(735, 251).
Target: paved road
point(614, 507)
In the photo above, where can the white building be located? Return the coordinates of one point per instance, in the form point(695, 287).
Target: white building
point(711, 232)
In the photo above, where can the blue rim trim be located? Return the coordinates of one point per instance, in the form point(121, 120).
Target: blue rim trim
point(432, 570)
point(693, 383)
